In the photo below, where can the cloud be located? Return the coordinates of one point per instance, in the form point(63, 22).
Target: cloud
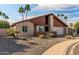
point(54, 6)
point(70, 10)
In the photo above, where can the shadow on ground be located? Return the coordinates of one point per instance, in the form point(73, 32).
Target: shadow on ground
point(9, 46)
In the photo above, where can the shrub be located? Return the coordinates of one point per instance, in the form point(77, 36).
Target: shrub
point(24, 39)
point(50, 34)
point(34, 43)
point(4, 24)
point(69, 37)
point(42, 36)
point(11, 32)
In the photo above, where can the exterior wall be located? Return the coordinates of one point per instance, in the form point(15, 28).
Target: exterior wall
point(59, 27)
point(39, 20)
point(59, 30)
point(57, 23)
point(30, 28)
point(54, 25)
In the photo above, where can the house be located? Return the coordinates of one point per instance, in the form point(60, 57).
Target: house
point(43, 23)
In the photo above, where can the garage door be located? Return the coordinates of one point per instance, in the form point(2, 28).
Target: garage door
point(59, 30)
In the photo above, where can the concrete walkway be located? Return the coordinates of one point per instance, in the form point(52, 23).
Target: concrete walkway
point(60, 48)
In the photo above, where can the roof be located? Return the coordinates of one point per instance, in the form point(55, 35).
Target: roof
point(38, 17)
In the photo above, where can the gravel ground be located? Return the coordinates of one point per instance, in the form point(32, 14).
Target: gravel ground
point(32, 46)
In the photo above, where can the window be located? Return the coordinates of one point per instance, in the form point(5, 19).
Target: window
point(24, 28)
point(46, 20)
point(40, 28)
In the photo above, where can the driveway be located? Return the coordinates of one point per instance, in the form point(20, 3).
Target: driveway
point(30, 46)
point(9, 46)
point(61, 48)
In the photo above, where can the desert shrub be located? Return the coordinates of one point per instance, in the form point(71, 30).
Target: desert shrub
point(34, 43)
point(69, 37)
point(50, 35)
point(42, 36)
point(11, 32)
point(24, 39)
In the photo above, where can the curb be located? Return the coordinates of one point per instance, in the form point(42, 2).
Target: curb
point(70, 50)
point(64, 50)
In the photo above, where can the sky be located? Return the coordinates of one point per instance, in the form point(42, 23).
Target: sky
point(71, 11)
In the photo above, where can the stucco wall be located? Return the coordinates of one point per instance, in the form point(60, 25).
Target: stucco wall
point(30, 28)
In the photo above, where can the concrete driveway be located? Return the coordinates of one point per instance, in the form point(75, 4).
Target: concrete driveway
point(61, 48)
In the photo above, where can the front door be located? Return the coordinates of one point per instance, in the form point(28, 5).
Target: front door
point(78, 31)
point(46, 29)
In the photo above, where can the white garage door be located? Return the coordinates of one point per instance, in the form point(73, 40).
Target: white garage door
point(59, 30)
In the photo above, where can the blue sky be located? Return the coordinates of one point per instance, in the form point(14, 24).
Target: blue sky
point(12, 10)
point(72, 11)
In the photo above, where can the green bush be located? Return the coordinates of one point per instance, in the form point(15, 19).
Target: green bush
point(4, 24)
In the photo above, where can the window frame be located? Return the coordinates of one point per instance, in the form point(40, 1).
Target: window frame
point(24, 28)
point(40, 28)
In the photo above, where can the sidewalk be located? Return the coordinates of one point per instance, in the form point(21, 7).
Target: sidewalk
point(60, 48)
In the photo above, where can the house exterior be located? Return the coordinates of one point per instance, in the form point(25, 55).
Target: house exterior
point(43, 23)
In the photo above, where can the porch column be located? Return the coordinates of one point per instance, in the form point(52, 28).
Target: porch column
point(51, 23)
point(66, 30)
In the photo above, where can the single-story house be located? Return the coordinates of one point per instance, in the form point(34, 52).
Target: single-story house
point(43, 23)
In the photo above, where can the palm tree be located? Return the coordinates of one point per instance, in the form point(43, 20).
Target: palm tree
point(65, 19)
point(27, 9)
point(21, 11)
point(71, 25)
point(5, 16)
point(0, 13)
point(62, 14)
point(58, 15)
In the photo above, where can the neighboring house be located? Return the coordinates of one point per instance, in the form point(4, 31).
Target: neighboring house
point(43, 23)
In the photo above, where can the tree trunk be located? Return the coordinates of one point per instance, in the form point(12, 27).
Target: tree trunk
point(26, 14)
point(22, 16)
